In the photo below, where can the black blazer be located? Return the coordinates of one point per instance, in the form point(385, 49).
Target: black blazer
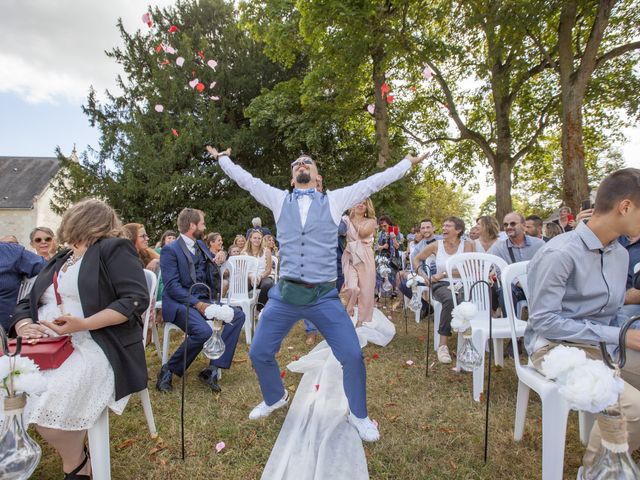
point(110, 276)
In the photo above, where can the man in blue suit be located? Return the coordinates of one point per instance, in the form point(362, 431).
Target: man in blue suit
point(183, 263)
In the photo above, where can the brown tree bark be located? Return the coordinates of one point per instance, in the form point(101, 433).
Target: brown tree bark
point(381, 111)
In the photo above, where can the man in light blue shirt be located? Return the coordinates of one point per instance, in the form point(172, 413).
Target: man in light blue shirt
point(577, 283)
point(517, 247)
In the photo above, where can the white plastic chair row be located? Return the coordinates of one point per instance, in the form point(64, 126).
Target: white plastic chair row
point(240, 268)
point(555, 409)
point(99, 443)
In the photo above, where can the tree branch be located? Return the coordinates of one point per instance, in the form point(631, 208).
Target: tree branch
point(542, 123)
point(588, 62)
point(616, 52)
point(425, 142)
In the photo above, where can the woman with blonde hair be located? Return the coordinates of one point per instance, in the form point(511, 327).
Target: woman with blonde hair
point(240, 241)
point(263, 281)
point(358, 264)
point(488, 230)
point(138, 235)
point(96, 292)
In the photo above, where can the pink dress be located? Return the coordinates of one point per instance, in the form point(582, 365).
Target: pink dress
point(359, 269)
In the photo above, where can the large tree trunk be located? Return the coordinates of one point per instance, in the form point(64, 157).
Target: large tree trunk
point(502, 178)
point(575, 182)
point(381, 111)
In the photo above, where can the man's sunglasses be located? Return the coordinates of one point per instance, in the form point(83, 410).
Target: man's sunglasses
point(302, 161)
point(40, 240)
point(512, 224)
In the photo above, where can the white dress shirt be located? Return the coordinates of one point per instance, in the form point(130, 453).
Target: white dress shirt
point(339, 200)
point(191, 244)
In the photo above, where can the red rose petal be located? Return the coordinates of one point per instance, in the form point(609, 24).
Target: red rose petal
point(385, 88)
point(173, 29)
point(390, 98)
point(201, 55)
point(200, 87)
point(159, 48)
point(175, 132)
point(282, 374)
point(376, 356)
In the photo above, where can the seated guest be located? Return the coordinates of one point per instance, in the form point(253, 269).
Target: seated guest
point(138, 236)
point(43, 241)
point(533, 227)
point(104, 293)
point(565, 221)
point(16, 264)
point(474, 233)
point(488, 231)
point(234, 250)
point(257, 225)
point(167, 237)
point(216, 247)
point(451, 244)
point(518, 246)
point(183, 263)
point(551, 230)
point(426, 232)
point(240, 242)
point(263, 281)
point(577, 284)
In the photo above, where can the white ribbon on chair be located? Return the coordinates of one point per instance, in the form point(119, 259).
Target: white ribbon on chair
point(315, 441)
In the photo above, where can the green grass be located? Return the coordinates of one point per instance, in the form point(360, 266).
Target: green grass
point(431, 428)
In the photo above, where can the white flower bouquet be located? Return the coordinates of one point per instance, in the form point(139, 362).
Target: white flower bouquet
point(462, 315)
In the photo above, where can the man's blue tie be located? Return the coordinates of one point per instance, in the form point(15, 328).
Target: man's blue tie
point(299, 192)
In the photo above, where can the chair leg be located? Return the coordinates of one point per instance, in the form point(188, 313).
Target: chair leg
point(554, 431)
point(148, 412)
point(248, 322)
point(165, 342)
point(479, 339)
point(585, 421)
point(437, 309)
point(498, 351)
point(522, 402)
point(99, 447)
point(156, 340)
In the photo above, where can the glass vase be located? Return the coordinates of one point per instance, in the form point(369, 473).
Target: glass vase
point(214, 347)
point(468, 357)
point(614, 461)
point(415, 304)
point(19, 453)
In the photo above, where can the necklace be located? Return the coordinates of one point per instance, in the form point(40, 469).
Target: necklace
point(72, 260)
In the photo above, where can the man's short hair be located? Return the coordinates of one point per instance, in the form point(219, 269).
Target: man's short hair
point(458, 222)
point(188, 216)
point(620, 185)
point(535, 219)
point(518, 214)
point(256, 222)
point(425, 220)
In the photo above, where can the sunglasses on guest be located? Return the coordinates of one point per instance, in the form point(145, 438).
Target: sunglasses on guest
point(302, 161)
point(42, 239)
point(511, 224)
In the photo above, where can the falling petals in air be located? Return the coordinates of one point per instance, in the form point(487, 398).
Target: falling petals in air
point(385, 88)
point(173, 29)
point(159, 108)
point(200, 87)
point(146, 18)
point(159, 48)
point(193, 83)
point(409, 362)
point(179, 61)
point(213, 84)
point(390, 98)
point(214, 97)
point(412, 88)
point(371, 108)
point(165, 62)
point(220, 446)
point(175, 132)
point(427, 74)
point(212, 63)
point(201, 55)
point(170, 50)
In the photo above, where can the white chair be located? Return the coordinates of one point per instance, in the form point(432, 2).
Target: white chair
point(25, 287)
point(152, 285)
point(471, 268)
point(555, 409)
point(241, 267)
point(98, 434)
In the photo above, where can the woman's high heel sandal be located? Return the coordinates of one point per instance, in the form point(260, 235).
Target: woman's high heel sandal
point(73, 475)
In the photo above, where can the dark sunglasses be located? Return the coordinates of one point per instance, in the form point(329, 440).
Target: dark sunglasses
point(302, 161)
point(512, 224)
point(39, 240)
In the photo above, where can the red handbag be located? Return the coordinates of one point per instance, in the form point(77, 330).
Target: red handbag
point(48, 352)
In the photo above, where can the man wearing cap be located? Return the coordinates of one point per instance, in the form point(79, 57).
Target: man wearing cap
point(307, 225)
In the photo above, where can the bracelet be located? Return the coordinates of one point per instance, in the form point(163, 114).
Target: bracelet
point(21, 324)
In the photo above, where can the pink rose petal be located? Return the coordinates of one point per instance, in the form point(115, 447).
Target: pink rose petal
point(146, 18)
point(212, 63)
point(179, 61)
point(220, 446)
point(375, 423)
point(317, 387)
point(170, 50)
point(159, 108)
point(193, 83)
point(427, 74)
point(213, 84)
point(371, 108)
point(214, 97)
point(409, 362)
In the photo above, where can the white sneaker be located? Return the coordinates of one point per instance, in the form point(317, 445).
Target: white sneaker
point(443, 354)
point(365, 427)
point(263, 410)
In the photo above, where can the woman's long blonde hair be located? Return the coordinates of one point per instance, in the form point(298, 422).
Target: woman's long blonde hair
point(370, 211)
point(88, 221)
point(247, 250)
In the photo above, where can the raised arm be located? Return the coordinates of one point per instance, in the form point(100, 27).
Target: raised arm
point(343, 198)
point(265, 194)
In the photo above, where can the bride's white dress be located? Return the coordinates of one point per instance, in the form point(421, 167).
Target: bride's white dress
point(79, 390)
point(316, 442)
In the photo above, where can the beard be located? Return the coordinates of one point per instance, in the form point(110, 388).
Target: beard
point(303, 177)
point(198, 234)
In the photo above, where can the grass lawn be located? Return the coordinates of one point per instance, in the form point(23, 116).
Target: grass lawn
point(430, 427)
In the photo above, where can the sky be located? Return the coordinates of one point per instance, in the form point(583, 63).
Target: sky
point(53, 52)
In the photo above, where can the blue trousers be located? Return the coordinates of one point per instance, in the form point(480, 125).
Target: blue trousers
point(198, 333)
point(329, 315)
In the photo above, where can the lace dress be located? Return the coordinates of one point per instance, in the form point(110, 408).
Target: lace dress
point(79, 390)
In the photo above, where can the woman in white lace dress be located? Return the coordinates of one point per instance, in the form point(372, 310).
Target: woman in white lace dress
point(96, 292)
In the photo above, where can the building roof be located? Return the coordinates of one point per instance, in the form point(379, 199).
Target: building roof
point(23, 178)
